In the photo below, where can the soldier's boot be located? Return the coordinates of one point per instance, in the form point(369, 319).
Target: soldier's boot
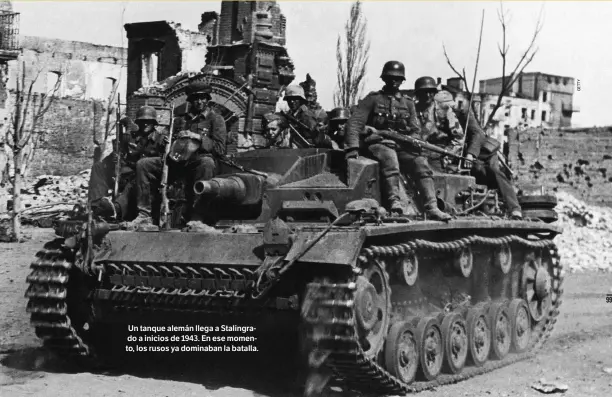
point(516, 214)
point(392, 184)
point(427, 189)
point(410, 209)
point(143, 222)
point(106, 209)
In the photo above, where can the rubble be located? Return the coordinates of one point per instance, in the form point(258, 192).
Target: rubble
point(585, 243)
point(549, 387)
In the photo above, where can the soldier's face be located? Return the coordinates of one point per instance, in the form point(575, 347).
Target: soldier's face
point(425, 96)
point(199, 103)
point(273, 129)
point(393, 82)
point(294, 103)
point(339, 128)
point(145, 127)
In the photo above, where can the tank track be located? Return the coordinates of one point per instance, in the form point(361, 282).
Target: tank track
point(330, 314)
point(48, 305)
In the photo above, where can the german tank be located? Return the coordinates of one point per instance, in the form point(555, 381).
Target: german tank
point(388, 304)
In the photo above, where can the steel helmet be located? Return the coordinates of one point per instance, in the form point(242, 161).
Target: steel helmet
point(339, 114)
point(198, 88)
point(393, 68)
point(147, 113)
point(425, 83)
point(294, 91)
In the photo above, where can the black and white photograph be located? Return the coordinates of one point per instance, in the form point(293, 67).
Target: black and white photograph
point(305, 198)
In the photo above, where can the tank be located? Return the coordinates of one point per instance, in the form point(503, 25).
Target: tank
point(386, 304)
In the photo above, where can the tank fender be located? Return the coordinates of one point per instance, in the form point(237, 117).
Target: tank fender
point(338, 247)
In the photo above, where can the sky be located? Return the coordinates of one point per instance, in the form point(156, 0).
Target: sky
point(571, 43)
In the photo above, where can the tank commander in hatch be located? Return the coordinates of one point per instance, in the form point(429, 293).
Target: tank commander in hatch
point(199, 140)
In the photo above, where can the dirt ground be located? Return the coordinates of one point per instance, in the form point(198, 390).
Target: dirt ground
point(577, 355)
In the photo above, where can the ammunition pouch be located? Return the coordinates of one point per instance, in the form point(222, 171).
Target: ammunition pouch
point(490, 146)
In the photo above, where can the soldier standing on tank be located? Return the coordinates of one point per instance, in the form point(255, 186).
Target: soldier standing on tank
point(140, 140)
point(447, 124)
point(200, 124)
point(337, 126)
point(389, 109)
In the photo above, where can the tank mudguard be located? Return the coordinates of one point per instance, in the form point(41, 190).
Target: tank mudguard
point(339, 247)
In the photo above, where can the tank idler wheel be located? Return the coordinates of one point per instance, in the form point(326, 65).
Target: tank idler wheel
point(454, 335)
point(520, 320)
point(537, 287)
point(479, 336)
point(500, 330)
point(430, 347)
point(503, 258)
point(463, 261)
point(401, 352)
point(409, 268)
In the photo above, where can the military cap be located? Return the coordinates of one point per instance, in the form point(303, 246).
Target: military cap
point(393, 68)
point(198, 88)
point(425, 83)
point(339, 114)
point(443, 97)
point(294, 91)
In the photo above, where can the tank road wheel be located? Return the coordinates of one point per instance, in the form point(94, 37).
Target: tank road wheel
point(536, 287)
point(479, 336)
point(401, 352)
point(500, 330)
point(454, 335)
point(372, 307)
point(431, 348)
point(520, 320)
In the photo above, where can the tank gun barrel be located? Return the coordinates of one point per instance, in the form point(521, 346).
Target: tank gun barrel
point(241, 188)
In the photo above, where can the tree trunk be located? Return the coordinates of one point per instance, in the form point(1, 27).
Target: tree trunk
point(17, 182)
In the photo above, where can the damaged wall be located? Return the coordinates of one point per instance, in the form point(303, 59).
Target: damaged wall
point(578, 161)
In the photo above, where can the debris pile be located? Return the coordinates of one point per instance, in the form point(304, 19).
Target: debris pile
point(585, 243)
point(49, 197)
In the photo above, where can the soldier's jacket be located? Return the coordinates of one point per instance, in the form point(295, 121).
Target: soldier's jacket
point(306, 117)
point(440, 125)
point(136, 146)
point(319, 114)
point(381, 110)
point(475, 135)
point(209, 126)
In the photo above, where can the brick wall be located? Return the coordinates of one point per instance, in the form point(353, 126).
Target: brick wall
point(577, 161)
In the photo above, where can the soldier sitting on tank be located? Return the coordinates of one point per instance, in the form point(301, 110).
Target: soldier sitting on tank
point(389, 109)
point(199, 139)
point(140, 140)
point(337, 126)
point(302, 121)
point(276, 131)
point(438, 122)
point(310, 93)
point(443, 108)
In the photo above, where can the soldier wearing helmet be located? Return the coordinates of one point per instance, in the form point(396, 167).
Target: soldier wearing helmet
point(441, 123)
point(389, 109)
point(199, 140)
point(337, 126)
point(301, 119)
point(140, 140)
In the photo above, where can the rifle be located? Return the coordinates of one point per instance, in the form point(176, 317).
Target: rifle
point(414, 142)
point(301, 140)
point(118, 142)
point(165, 207)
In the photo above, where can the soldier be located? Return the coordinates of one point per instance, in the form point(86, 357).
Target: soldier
point(276, 131)
point(306, 121)
point(200, 138)
point(337, 126)
point(141, 140)
point(389, 109)
point(438, 122)
point(447, 124)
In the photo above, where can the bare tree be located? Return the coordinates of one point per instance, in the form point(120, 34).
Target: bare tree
point(352, 55)
point(23, 133)
point(507, 80)
point(110, 122)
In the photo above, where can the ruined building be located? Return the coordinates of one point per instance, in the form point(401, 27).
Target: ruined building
point(246, 63)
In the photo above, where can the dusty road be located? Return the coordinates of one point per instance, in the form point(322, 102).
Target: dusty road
point(576, 355)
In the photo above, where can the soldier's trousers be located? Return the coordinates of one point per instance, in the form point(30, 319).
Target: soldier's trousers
point(489, 173)
point(101, 178)
point(149, 173)
point(393, 161)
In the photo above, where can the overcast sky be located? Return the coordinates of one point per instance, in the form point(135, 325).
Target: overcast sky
point(574, 41)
